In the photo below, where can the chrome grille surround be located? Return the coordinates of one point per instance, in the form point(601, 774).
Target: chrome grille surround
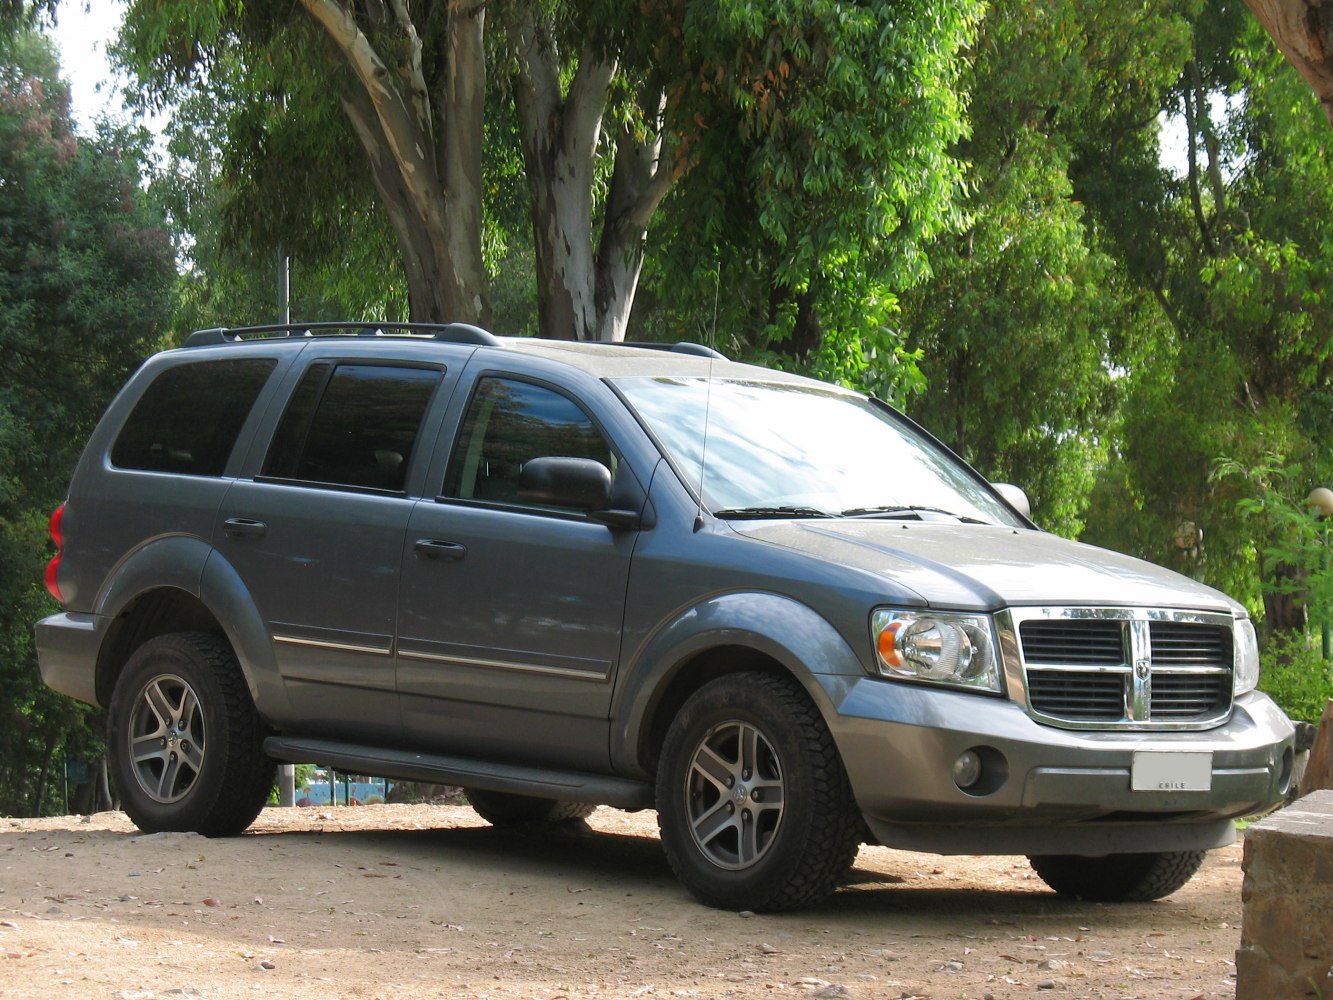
point(1115, 668)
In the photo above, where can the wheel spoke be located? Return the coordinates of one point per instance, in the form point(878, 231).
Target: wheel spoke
point(158, 703)
point(713, 823)
point(769, 794)
point(166, 786)
point(709, 764)
point(749, 848)
point(146, 748)
point(750, 750)
point(187, 709)
point(192, 756)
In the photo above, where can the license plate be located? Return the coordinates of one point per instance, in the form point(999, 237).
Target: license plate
point(1181, 771)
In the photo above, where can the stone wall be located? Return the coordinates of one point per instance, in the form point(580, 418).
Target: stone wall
point(1286, 941)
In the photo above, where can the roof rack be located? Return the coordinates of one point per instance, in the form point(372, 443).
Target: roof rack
point(680, 347)
point(454, 333)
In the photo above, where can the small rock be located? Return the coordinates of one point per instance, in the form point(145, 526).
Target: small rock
point(745, 914)
point(1046, 984)
point(832, 990)
point(768, 949)
point(1051, 965)
point(952, 967)
point(266, 965)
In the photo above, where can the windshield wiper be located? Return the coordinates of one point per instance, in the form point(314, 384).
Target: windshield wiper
point(906, 511)
point(740, 513)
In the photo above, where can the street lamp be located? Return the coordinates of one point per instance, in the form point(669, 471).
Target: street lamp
point(1321, 500)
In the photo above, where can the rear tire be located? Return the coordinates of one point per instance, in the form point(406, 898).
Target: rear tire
point(754, 807)
point(509, 808)
point(184, 740)
point(1118, 878)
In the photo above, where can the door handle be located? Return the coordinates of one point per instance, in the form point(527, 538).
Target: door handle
point(434, 548)
point(244, 527)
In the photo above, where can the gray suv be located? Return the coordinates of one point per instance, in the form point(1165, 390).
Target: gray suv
point(562, 574)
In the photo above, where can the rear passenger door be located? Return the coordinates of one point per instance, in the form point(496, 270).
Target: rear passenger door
point(317, 536)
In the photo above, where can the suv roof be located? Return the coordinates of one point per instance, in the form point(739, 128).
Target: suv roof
point(600, 359)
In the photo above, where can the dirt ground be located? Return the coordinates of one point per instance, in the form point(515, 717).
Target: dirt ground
point(408, 902)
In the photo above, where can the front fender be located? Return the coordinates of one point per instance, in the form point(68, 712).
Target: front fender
point(784, 630)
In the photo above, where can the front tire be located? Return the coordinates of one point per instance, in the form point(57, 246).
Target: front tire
point(184, 739)
point(1118, 878)
point(754, 807)
point(509, 808)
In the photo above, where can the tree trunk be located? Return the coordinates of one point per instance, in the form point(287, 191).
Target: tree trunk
point(582, 293)
point(425, 151)
point(1284, 610)
point(639, 183)
point(1303, 30)
point(1319, 771)
point(1196, 201)
point(43, 774)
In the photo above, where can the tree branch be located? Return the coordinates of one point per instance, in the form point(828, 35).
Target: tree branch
point(400, 128)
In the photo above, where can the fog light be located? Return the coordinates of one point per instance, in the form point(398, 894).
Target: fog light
point(967, 769)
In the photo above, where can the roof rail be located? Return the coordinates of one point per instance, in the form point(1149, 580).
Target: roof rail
point(455, 333)
point(680, 347)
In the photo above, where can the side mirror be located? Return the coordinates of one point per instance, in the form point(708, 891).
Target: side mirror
point(576, 483)
point(1015, 497)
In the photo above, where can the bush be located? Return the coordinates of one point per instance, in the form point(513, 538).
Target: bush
point(1296, 676)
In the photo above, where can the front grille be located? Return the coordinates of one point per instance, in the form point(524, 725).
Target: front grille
point(1113, 668)
point(1091, 643)
point(1083, 697)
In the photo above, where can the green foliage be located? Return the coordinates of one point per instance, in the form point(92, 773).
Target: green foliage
point(1296, 675)
point(819, 138)
point(86, 270)
point(1026, 325)
point(1230, 257)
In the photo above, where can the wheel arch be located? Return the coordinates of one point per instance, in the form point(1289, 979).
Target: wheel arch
point(726, 634)
point(180, 584)
point(145, 616)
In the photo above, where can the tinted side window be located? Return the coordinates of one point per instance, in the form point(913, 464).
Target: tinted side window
point(352, 425)
point(508, 423)
point(187, 421)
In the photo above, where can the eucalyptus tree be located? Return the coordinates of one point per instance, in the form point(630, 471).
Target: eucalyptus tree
point(835, 116)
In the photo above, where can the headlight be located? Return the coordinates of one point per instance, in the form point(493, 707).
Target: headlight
point(1245, 672)
point(938, 647)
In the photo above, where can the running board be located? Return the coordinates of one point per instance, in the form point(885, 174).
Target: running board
point(467, 772)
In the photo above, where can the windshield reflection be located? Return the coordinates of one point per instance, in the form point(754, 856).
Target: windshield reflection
point(776, 449)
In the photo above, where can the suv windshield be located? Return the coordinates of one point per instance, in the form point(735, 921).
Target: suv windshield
point(781, 449)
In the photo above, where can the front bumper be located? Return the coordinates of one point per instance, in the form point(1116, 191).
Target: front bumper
point(1044, 789)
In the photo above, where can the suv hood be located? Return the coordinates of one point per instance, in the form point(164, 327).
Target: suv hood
point(987, 567)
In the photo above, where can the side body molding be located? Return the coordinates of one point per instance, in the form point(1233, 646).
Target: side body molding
point(776, 626)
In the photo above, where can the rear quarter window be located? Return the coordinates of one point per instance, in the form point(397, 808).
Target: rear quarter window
point(188, 419)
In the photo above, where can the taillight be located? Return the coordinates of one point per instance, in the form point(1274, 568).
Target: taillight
point(52, 584)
